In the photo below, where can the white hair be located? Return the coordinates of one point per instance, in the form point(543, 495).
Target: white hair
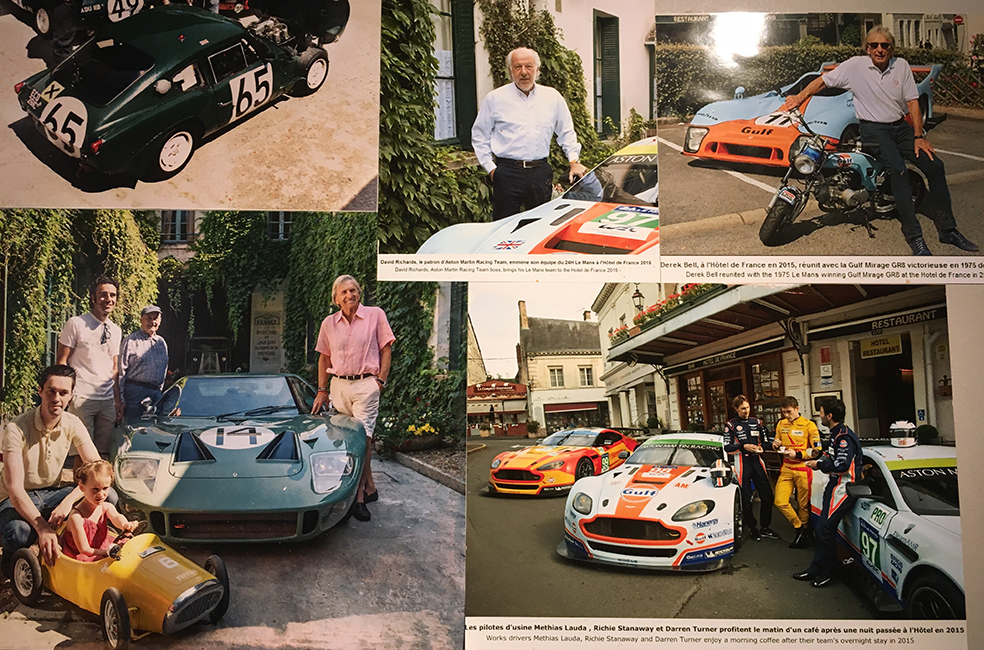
point(339, 281)
point(536, 61)
point(880, 29)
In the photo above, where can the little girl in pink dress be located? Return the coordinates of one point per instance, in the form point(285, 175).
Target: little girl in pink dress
point(86, 536)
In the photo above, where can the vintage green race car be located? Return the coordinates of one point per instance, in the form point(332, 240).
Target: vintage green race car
point(142, 94)
point(238, 457)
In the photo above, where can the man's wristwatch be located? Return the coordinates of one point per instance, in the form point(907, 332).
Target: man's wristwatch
point(322, 390)
point(920, 137)
point(382, 382)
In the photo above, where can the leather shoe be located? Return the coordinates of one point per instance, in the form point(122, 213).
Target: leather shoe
point(768, 533)
point(800, 541)
point(919, 247)
point(821, 581)
point(371, 496)
point(803, 576)
point(361, 512)
point(955, 238)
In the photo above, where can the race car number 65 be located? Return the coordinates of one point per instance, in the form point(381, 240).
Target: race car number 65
point(64, 120)
point(251, 89)
point(120, 9)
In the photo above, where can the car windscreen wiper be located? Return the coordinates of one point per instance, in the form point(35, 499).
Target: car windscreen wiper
point(263, 410)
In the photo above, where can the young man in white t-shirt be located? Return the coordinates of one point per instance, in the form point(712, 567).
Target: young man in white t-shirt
point(90, 343)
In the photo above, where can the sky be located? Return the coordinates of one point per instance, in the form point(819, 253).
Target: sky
point(494, 311)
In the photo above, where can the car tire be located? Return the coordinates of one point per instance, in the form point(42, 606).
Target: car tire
point(780, 215)
point(934, 596)
point(42, 21)
point(313, 65)
point(172, 154)
point(217, 568)
point(583, 469)
point(738, 523)
point(115, 617)
point(26, 576)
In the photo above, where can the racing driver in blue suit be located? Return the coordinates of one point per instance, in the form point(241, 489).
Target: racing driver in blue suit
point(841, 461)
point(746, 436)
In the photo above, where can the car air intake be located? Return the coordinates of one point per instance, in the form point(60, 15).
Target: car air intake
point(283, 447)
point(190, 449)
point(631, 529)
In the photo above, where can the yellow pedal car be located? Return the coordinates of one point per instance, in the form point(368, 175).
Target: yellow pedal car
point(144, 587)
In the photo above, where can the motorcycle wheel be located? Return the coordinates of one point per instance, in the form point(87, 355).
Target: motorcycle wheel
point(780, 215)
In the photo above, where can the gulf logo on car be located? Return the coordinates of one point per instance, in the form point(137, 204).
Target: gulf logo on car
point(843, 160)
point(700, 538)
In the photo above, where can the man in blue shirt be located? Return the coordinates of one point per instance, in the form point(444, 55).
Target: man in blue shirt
point(143, 363)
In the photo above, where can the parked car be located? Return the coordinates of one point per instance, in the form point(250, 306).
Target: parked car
point(142, 94)
point(753, 130)
point(903, 532)
point(552, 466)
point(675, 504)
point(613, 210)
point(237, 457)
point(145, 586)
point(92, 12)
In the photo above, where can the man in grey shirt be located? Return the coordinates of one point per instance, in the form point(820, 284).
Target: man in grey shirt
point(143, 363)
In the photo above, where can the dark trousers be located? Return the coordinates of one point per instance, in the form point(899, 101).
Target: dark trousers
point(752, 470)
point(825, 533)
point(66, 20)
point(896, 144)
point(515, 189)
point(16, 533)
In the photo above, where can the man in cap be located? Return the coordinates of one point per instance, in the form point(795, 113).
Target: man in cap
point(143, 363)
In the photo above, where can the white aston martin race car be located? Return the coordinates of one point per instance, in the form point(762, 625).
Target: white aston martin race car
point(674, 504)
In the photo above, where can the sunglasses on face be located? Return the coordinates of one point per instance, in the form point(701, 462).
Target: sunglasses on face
point(875, 46)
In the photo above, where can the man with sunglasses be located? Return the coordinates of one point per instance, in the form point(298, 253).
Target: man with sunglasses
point(884, 93)
point(90, 343)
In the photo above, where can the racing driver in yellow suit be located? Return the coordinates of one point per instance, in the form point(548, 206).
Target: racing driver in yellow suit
point(798, 440)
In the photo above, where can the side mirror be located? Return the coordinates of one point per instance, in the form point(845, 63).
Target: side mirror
point(740, 92)
point(148, 407)
point(162, 87)
point(623, 455)
point(859, 490)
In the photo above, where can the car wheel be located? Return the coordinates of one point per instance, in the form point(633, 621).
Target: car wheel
point(738, 523)
point(780, 215)
point(314, 66)
point(115, 619)
point(217, 568)
point(173, 154)
point(935, 597)
point(42, 21)
point(584, 468)
point(917, 185)
point(26, 576)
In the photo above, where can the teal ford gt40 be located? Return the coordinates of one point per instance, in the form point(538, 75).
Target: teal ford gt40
point(238, 458)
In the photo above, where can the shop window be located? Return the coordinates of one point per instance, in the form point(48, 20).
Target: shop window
point(587, 375)
point(694, 400)
point(556, 377)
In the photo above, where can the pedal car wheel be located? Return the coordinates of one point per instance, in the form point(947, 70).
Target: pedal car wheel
point(141, 527)
point(217, 568)
point(115, 619)
point(26, 579)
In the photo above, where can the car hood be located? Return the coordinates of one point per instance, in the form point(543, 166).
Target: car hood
point(647, 491)
point(543, 227)
point(325, 19)
point(738, 109)
point(538, 455)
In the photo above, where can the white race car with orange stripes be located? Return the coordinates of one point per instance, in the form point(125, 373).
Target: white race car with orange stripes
point(674, 504)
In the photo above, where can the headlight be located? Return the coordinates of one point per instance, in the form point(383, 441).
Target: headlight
point(805, 155)
point(328, 468)
point(135, 468)
point(557, 464)
point(582, 503)
point(694, 510)
point(797, 146)
point(695, 135)
point(496, 463)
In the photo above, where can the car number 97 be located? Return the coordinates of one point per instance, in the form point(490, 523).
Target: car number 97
point(251, 89)
point(64, 121)
point(120, 9)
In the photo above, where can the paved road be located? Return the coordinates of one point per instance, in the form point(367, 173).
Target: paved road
point(710, 209)
point(513, 570)
point(396, 582)
point(302, 153)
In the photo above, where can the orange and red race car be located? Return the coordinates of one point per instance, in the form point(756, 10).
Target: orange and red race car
point(753, 130)
point(552, 466)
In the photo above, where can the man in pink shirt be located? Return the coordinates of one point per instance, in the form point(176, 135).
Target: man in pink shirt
point(356, 348)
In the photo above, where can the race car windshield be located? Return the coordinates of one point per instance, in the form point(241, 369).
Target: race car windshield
point(689, 454)
point(101, 70)
point(630, 179)
point(929, 490)
point(204, 396)
point(570, 439)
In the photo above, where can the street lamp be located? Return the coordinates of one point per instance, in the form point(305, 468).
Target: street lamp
point(638, 298)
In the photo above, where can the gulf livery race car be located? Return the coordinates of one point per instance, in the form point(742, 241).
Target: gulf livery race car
point(612, 210)
point(904, 529)
point(143, 93)
point(238, 458)
point(144, 587)
point(92, 12)
point(552, 466)
point(753, 130)
point(674, 504)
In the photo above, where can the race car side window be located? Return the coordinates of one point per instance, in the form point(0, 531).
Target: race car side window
point(188, 78)
point(875, 479)
point(251, 54)
point(228, 62)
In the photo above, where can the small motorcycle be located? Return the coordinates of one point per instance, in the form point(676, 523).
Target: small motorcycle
point(846, 178)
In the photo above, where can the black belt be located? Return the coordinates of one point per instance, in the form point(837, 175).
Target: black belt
point(895, 123)
point(355, 377)
point(524, 164)
point(143, 384)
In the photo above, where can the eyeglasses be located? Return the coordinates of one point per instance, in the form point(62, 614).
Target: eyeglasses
point(105, 334)
point(875, 46)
